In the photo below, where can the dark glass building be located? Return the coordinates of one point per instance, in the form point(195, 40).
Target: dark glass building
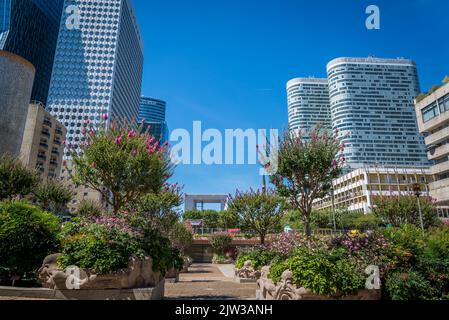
point(152, 111)
point(30, 28)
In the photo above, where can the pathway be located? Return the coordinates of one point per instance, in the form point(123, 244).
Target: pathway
point(209, 282)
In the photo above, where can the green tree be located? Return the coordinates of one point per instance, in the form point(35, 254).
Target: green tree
point(53, 196)
point(89, 208)
point(306, 168)
point(260, 211)
point(121, 163)
point(400, 210)
point(15, 179)
point(158, 210)
point(211, 218)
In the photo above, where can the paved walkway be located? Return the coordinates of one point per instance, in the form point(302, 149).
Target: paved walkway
point(209, 282)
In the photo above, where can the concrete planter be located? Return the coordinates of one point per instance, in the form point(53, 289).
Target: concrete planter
point(286, 290)
point(154, 293)
point(246, 274)
point(137, 282)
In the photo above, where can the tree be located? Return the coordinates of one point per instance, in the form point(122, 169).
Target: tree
point(400, 210)
point(15, 179)
point(158, 210)
point(121, 163)
point(306, 168)
point(260, 211)
point(53, 196)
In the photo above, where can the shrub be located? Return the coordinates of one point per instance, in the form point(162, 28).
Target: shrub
point(220, 259)
point(53, 196)
point(211, 218)
point(324, 272)
point(89, 208)
point(220, 242)
point(27, 236)
point(410, 285)
point(180, 237)
point(400, 210)
point(16, 180)
point(359, 221)
point(100, 248)
point(259, 257)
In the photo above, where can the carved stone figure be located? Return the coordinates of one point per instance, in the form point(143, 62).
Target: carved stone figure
point(139, 274)
point(287, 290)
point(246, 272)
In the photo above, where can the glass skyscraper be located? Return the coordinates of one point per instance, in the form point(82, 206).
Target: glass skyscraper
point(372, 105)
point(308, 104)
point(29, 28)
point(98, 67)
point(153, 112)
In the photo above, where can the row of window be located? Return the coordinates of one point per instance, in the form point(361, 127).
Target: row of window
point(436, 108)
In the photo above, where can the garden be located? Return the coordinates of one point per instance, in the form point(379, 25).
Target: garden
point(142, 231)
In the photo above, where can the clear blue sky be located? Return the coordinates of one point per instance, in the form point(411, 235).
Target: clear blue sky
point(226, 62)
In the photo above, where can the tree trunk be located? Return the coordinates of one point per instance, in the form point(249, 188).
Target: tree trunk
point(262, 239)
point(307, 225)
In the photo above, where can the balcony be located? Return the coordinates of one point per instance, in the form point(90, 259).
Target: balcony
point(438, 152)
point(440, 168)
point(46, 133)
point(48, 123)
point(57, 142)
point(440, 190)
point(42, 157)
point(58, 131)
point(55, 152)
point(437, 137)
point(54, 163)
point(44, 145)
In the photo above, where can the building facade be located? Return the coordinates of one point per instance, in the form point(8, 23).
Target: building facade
point(16, 83)
point(433, 119)
point(29, 28)
point(372, 106)
point(42, 144)
point(80, 193)
point(153, 112)
point(98, 67)
point(308, 104)
point(356, 191)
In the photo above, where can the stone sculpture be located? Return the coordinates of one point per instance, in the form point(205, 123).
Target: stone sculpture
point(247, 271)
point(139, 274)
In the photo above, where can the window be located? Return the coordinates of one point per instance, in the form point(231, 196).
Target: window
point(430, 112)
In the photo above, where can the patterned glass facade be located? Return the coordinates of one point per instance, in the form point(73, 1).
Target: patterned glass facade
point(372, 104)
point(308, 104)
point(29, 28)
point(98, 67)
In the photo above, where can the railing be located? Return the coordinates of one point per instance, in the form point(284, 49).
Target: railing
point(230, 231)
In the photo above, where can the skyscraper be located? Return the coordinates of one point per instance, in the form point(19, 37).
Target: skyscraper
point(308, 104)
point(29, 28)
point(153, 112)
point(372, 105)
point(98, 66)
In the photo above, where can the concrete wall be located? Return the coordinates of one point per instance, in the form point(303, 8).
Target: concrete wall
point(16, 83)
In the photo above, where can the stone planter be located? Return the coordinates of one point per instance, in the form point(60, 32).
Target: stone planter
point(246, 274)
point(138, 281)
point(286, 290)
point(172, 276)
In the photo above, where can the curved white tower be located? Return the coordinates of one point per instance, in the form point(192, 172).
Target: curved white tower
point(308, 104)
point(372, 104)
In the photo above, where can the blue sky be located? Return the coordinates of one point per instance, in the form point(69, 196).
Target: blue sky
point(226, 63)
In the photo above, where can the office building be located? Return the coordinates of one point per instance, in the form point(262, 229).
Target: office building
point(372, 105)
point(432, 111)
point(153, 112)
point(98, 67)
point(357, 190)
point(42, 145)
point(29, 28)
point(308, 104)
point(16, 83)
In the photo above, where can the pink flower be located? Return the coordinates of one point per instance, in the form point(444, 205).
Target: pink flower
point(118, 140)
point(132, 134)
point(134, 152)
point(105, 117)
point(88, 121)
point(83, 131)
point(94, 165)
